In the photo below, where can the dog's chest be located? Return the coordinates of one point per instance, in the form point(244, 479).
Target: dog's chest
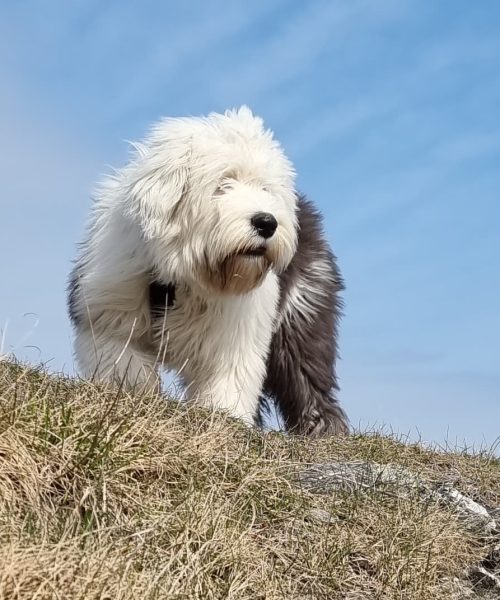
point(188, 328)
point(182, 324)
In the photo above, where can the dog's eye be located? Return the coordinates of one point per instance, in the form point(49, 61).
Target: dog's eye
point(221, 189)
point(224, 186)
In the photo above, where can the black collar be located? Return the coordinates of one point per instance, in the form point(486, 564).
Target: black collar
point(161, 295)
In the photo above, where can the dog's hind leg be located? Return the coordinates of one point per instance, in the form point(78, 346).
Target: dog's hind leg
point(301, 379)
point(301, 365)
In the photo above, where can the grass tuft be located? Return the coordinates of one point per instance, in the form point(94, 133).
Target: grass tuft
point(105, 495)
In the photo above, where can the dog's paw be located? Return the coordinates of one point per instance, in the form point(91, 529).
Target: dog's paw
point(320, 424)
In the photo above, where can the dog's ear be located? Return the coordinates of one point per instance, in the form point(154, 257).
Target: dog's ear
point(159, 182)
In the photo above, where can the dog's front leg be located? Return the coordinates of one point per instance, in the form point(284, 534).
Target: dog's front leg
point(228, 369)
point(111, 359)
point(232, 389)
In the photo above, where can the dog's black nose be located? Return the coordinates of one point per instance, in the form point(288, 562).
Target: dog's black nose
point(265, 224)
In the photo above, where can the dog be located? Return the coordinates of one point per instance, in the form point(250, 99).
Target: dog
point(201, 256)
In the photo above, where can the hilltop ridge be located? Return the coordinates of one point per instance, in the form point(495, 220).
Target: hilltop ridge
point(107, 495)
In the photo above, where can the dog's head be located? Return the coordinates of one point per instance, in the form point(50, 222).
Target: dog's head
point(215, 201)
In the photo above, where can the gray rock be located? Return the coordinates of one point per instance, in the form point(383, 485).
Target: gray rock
point(480, 582)
point(359, 476)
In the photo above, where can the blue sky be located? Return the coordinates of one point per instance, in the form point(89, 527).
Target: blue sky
point(390, 110)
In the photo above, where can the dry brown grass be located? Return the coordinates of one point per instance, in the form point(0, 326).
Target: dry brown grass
point(103, 495)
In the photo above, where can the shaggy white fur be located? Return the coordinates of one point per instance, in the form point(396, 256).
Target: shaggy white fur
point(181, 213)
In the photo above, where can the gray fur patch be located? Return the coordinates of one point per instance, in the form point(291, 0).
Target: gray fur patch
point(301, 376)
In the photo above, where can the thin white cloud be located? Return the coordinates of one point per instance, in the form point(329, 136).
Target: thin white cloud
point(459, 49)
point(298, 42)
point(468, 146)
point(164, 59)
point(398, 94)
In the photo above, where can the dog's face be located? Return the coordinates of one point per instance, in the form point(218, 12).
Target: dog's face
point(216, 201)
point(254, 232)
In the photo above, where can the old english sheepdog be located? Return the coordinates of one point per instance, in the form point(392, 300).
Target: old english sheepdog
point(201, 257)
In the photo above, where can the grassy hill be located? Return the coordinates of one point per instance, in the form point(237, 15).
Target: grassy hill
point(104, 495)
